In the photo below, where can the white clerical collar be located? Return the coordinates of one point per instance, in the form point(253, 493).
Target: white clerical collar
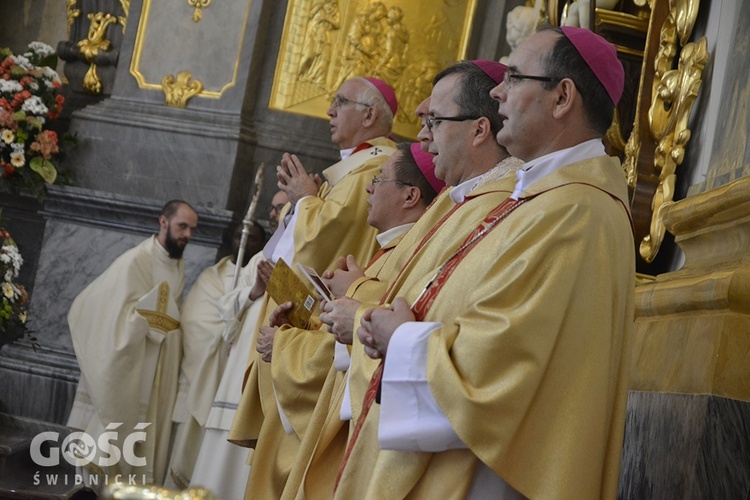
point(458, 193)
point(505, 167)
point(346, 153)
point(391, 234)
point(544, 165)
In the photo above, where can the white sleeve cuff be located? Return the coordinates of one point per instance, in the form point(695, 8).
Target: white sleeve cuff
point(341, 357)
point(410, 418)
point(345, 413)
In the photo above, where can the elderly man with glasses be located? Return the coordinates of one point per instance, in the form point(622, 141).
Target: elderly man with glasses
point(505, 373)
point(324, 222)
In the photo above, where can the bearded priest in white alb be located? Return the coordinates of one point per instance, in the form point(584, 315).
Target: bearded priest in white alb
point(125, 331)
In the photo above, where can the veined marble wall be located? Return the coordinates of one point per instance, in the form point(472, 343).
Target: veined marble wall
point(85, 232)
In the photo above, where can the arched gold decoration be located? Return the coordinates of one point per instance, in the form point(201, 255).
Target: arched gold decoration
point(178, 92)
point(198, 5)
point(125, 4)
point(73, 13)
point(674, 93)
point(92, 45)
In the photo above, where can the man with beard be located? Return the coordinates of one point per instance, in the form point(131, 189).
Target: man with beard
point(125, 331)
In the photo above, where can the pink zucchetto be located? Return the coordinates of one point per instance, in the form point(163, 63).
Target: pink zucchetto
point(601, 57)
point(494, 70)
point(386, 91)
point(426, 166)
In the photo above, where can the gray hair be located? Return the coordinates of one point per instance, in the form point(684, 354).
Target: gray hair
point(371, 95)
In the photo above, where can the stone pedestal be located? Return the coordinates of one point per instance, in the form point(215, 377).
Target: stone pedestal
point(687, 430)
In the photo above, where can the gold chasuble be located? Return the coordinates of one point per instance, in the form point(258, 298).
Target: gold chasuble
point(125, 331)
point(328, 226)
point(444, 222)
point(320, 426)
point(530, 363)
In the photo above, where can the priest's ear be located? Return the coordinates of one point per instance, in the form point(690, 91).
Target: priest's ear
point(413, 196)
point(371, 116)
point(163, 223)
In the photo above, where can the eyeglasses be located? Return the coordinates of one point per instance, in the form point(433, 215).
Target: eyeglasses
point(340, 101)
point(509, 77)
point(276, 208)
point(431, 121)
point(377, 180)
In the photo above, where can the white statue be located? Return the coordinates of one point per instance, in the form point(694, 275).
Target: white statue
point(577, 12)
point(521, 22)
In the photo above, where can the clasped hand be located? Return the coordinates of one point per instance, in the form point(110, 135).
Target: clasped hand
point(379, 323)
point(294, 180)
point(339, 316)
point(339, 280)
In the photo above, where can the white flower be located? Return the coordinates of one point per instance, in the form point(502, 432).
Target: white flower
point(50, 74)
point(7, 136)
point(34, 105)
point(41, 49)
point(17, 159)
point(17, 147)
point(8, 290)
point(22, 317)
point(33, 86)
point(11, 86)
point(22, 61)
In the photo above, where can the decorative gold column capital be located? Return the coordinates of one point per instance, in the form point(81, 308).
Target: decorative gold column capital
point(178, 92)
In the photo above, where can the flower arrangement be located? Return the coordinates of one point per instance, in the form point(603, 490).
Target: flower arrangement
point(13, 298)
point(28, 103)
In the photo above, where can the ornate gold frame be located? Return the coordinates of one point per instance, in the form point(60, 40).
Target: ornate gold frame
point(138, 54)
point(291, 93)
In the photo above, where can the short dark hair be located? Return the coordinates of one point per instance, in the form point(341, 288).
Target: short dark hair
point(170, 208)
point(564, 61)
point(406, 170)
point(473, 97)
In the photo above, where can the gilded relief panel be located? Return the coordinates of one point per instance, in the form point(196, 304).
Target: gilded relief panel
point(170, 41)
point(405, 43)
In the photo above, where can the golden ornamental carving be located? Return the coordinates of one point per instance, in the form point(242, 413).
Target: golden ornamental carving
point(632, 153)
point(122, 491)
point(669, 114)
point(614, 133)
point(73, 13)
point(198, 6)
point(179, 91)
point(405, 43)
point(92, 45)
point(123, 20)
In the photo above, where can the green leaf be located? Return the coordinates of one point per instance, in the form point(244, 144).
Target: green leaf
point(44, 168)
point(36, 122)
